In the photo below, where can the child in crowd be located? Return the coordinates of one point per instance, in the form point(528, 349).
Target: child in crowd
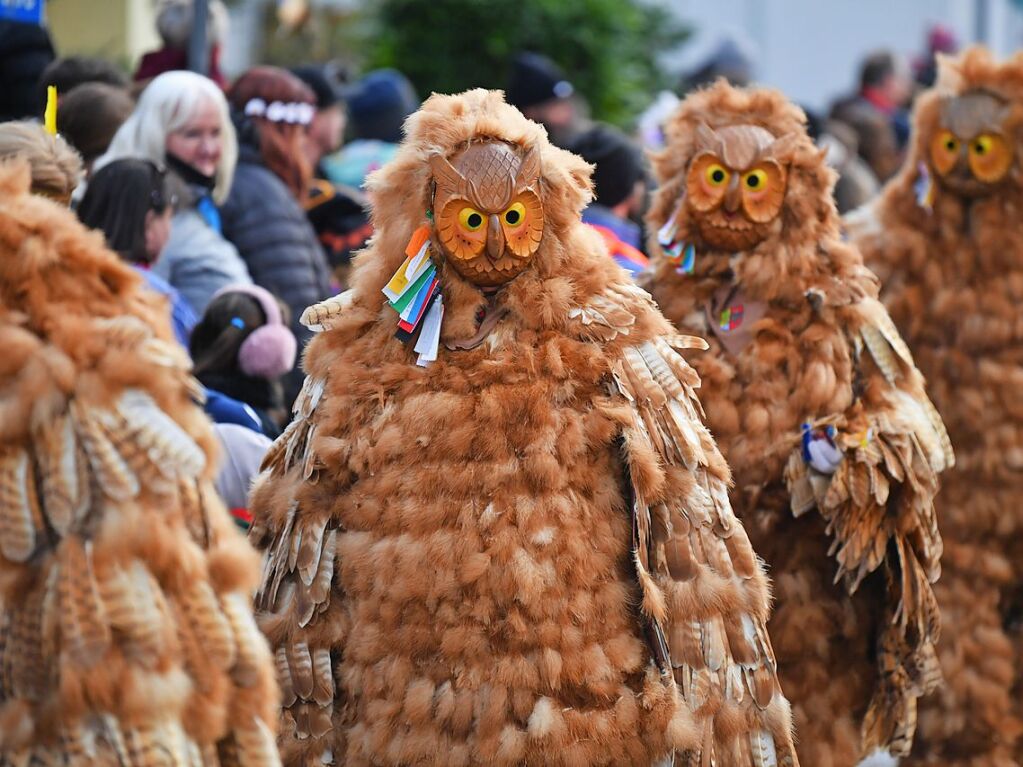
point(242, 347)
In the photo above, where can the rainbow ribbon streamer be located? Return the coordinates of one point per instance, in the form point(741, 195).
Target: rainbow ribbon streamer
point(414, 293)
point(679, 253)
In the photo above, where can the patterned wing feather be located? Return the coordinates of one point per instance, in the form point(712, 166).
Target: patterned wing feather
point(879, 506)
point(684, 535)
point(111, 539)
point(298, 576)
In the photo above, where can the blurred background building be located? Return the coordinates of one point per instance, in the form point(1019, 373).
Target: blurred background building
point(808, 48)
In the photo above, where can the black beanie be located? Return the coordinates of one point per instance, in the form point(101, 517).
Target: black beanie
point(618, 163)
point(534, 80)
point(379, 103)
point(327, 92)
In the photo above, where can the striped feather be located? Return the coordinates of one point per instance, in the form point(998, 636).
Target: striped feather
point(20, 514)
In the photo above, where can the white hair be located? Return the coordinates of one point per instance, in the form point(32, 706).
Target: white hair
point(167, 104)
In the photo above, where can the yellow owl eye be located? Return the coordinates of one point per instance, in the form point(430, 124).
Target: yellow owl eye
point(716, 175)
point(755, 180)
point(470, 219)
point(944, 151)
point(515, 214)
point(990, 157)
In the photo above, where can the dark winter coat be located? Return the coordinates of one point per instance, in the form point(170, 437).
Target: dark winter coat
point(276, 241)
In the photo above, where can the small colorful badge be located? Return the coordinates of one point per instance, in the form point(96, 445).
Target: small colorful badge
point(731, 318)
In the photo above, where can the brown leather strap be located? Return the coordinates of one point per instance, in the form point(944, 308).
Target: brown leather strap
point(490, 319)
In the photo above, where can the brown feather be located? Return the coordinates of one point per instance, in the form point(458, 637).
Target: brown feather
point(210, 624)
point(64, 486)
point(85, 632)
point(20, 515)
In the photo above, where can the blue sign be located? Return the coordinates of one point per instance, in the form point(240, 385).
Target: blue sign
point(27, 11)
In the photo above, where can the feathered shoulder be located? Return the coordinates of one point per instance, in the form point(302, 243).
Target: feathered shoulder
point(125, 621)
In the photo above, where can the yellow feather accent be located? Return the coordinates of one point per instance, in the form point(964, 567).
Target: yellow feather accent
point(50, 113)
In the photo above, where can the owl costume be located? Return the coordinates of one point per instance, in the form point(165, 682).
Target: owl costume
point(497, 531)
point(945, 238)
point(817, 406)
point(126, 629)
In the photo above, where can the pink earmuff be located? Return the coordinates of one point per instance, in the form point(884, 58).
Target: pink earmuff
point(270, 350)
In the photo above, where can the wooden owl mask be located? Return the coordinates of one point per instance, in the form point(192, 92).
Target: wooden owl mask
point(972, 149)
point(736, 183)
point(488, 212)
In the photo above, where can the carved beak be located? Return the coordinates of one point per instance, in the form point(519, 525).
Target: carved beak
point(495, 239)
point(962, 166)
point(733, 195)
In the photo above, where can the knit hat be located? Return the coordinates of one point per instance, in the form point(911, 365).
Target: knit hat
point(618, 162)
point(321, 84)
point(379, 103)
point(536, 79)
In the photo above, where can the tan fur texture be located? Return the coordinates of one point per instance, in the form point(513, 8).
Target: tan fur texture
point(855, 620)
point(126, 627)
point(522, 554)
point(953, 281)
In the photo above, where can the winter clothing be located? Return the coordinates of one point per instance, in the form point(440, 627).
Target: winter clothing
point(320, 83)
point(623, 237)
point(183, 318)
point(340, 216)
point(223, 409)
point(617, 163)
point(536, 79)
point(378, 105)
point(25, 51)
point(356, 160)
point(168, 59)
point(197, 261)
point(258, 395)
point(243, 451)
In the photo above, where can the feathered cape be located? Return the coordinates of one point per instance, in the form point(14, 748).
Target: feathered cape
point(953, 281)
point(853, 554)
point(524, 553)
point(126, 628)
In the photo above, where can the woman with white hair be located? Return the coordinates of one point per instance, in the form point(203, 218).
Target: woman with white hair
point(182, 123)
